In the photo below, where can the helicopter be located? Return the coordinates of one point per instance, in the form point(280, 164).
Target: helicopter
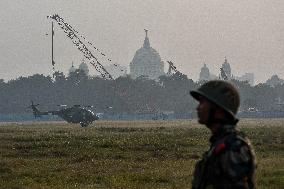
point(75, 114)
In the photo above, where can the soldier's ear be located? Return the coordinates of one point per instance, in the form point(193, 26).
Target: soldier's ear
point(220, 113)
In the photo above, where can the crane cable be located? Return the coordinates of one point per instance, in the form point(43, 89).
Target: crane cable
point(90, 43)
point(73, 35)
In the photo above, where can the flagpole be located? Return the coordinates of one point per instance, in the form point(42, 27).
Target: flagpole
point(52, 59)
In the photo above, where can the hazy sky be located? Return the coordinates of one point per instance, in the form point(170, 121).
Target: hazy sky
point(250, 33)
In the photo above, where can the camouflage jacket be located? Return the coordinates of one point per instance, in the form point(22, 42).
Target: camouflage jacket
point(229, 163)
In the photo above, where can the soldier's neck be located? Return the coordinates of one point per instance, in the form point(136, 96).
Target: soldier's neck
point(214, 127)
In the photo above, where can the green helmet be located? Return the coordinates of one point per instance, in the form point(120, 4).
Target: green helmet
point(221, 93)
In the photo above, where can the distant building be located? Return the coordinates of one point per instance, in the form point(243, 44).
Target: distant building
point(204, 74)
point(116, 70)
point(83, 66)
point(146, 62)
point(249, 77)
point(227, 68)
point(274, 80)
point(72, 69)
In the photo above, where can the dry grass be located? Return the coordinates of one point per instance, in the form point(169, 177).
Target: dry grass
point(138, 154)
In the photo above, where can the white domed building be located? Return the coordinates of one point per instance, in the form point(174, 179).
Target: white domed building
point(227, 68)
point(204, 74)
point(147, 62)
point(83, 66)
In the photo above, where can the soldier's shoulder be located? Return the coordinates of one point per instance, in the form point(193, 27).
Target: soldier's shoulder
point(237, 140)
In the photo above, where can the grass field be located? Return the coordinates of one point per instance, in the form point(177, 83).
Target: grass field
point(149, 154)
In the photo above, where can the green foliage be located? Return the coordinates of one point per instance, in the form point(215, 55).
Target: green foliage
point(124, 94)
point(151, 154)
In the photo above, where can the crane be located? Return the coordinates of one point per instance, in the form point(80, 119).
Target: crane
point(78, 42)
point(171, 68)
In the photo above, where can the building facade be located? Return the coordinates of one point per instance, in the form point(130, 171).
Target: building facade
point(248, 77)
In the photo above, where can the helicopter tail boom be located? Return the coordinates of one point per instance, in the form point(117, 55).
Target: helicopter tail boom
point(37, 113)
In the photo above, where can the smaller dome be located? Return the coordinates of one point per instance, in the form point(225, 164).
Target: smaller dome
point(72, 69)
point(227, 68)
point(204, 73)
point(83, 66)
point(205, 69)
point(226, 63)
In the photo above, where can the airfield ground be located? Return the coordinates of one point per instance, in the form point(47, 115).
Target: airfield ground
point(134, 154)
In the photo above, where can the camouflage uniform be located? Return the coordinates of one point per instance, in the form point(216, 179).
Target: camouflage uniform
point(229, 163)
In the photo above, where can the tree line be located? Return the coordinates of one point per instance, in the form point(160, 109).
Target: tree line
point(123, 95)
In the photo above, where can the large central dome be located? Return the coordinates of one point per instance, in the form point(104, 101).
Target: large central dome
point(147, 62)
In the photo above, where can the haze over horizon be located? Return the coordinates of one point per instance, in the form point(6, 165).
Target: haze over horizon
point(189, 33)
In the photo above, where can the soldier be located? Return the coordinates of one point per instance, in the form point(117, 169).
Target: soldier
point(230, 161)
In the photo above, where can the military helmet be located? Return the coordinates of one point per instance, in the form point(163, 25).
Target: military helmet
point(221, 93)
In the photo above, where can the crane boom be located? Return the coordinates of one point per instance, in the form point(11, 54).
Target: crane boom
point(171, 67)
point(72, 34)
